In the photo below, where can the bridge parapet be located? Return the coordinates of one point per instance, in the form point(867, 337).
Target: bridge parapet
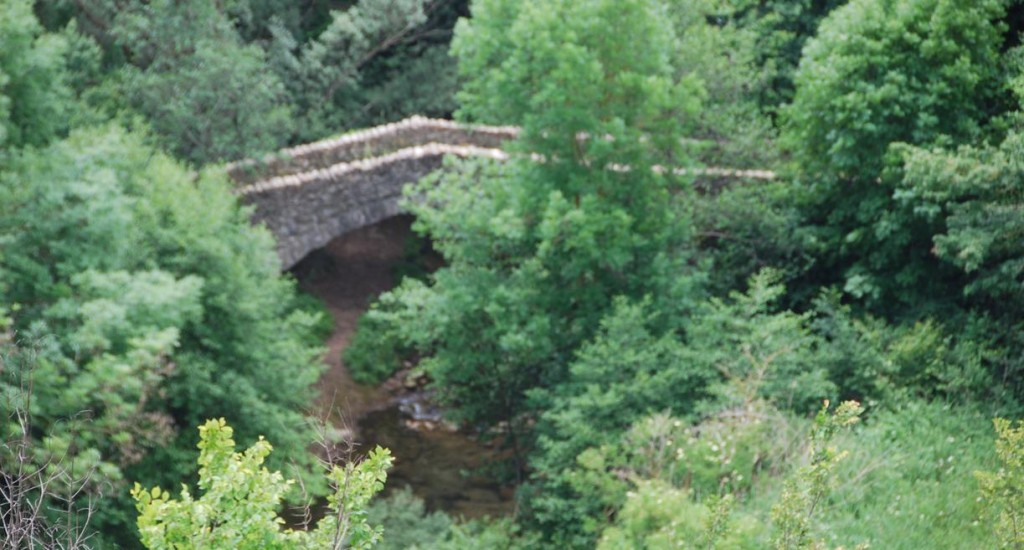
point(306, 211)
point(308, 195)
point(369, 143)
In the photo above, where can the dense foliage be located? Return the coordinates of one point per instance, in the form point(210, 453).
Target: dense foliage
point(225, 80)
point(653, 351)
point(150, 302)
point(920, 72)
point(893, 264)
point(241, 499)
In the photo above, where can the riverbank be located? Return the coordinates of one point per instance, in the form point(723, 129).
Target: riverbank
point(432, 457)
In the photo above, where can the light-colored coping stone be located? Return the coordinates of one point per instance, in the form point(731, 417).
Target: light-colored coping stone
point(371, 142)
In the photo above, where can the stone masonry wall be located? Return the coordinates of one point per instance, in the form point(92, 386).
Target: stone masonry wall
point(306, 211)
point(310, 194)
point(369, 143)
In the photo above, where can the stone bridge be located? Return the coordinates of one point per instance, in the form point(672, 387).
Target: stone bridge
point(310, 194)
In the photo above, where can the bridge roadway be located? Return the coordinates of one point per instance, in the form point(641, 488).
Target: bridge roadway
point(310, 194)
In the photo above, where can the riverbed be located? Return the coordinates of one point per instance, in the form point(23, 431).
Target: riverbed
point(437, 460)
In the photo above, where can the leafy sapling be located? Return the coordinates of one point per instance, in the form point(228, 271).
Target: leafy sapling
point(1003, 490)
point(241, 498)
point(808, 487)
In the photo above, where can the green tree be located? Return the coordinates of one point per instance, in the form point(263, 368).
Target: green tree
point(877, 73)
point(34, 94)
point(240, 501)
point(407, 523)
point(628, 370)
point(741, 227)
point(538, 251)
point(738, 356)
point(375, 62)
point(969, 197)
point(718, 44)
point(156, 302)
point(91, 367)
point(657, 516)
point(781, 29)
point(223, 80)
point(960, 358)
point(806, 490)
point(972, 196)
point(209, 96)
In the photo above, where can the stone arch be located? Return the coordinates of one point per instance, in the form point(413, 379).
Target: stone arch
point(310, 194)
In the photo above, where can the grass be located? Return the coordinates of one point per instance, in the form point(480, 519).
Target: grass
point(909, 481)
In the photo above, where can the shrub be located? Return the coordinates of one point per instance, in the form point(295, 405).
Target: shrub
point(240, 500)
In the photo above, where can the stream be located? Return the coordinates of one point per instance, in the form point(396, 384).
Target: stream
point(431, 456)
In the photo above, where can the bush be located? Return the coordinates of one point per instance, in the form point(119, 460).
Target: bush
point(909, 476)
point(155, 302)
point(881, 72)
point(406, 523)
point(240, 500)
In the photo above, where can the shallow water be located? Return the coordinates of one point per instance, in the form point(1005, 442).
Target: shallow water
point(435, 461)
point(438, 464)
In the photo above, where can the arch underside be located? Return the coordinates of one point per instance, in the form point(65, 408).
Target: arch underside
point(306, 217)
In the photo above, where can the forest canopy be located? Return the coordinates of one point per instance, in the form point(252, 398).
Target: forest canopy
point(659, 356)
